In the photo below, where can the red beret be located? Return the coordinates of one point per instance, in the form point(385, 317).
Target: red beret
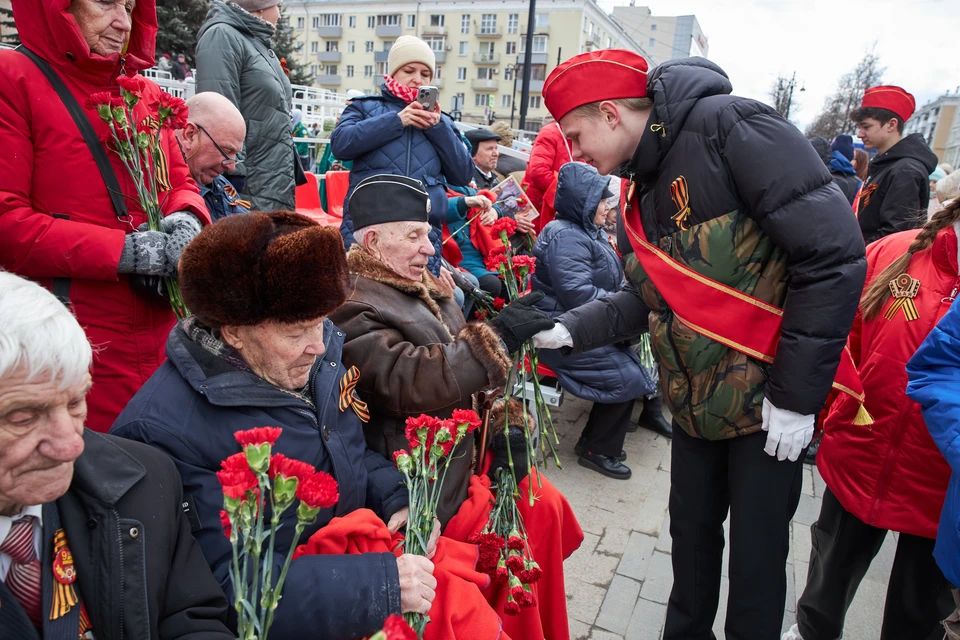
point(892, 99)
point(610, 74)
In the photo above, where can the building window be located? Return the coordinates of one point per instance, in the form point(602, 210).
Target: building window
point(349, 70)
point(488, 50)
point(412, 21)
point(387, 45)
point(368, 46)
point(300, 23)
point(437, 20)
point(511, 48)
point(542, 19)
point(381, 68)
point(488, 23)
point(482, 99)
point(465, 23)
point(314, 47)
point(437, 43)
point(513, 21)
point(653, 27)
point(330, 19)
point(534, 102)
point(464, 48)
point(508, 74)
point(653, 42)
point(608, 42)
point(391, 20)
point(368, 71)
point(351, 46)
point(371, 22)
point(461, 74)
point(590, 29)
point(313, 69)
point(352, 22)
point(485, 73)
point(333, 45)
point(505, 102)
point(539, 44)
point(315, 23)
point(330, 70)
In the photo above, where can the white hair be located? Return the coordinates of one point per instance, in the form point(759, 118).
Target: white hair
point(361, 234)
point(39, 334)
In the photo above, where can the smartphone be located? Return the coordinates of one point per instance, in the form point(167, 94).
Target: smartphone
point(427, 96)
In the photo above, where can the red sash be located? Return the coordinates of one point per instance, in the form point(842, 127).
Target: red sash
point(745, 324)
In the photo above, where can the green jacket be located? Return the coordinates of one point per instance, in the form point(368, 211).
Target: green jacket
point(234, 59)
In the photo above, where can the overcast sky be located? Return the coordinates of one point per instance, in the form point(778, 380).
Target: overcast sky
point(918, 41)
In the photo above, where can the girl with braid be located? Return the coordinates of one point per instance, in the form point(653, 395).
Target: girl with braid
point(888, 476)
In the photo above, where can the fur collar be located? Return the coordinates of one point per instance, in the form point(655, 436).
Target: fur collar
point(429, 291)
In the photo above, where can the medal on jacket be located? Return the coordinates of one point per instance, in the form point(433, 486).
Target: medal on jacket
point(904, 289)
point(681, 199)
point(64, 574)
point(349, 397)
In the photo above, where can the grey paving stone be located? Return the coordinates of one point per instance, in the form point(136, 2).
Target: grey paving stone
point(800, 541)
point(636, 556)
point(819, 486)
point(665, 542)
point(583, 601)
point(647, 620)
point(618, 605)
point(579, 630)
point(614, 540)
point(600, 634)
point(659, 580)
point(807, 510)
point(792, 594)
point(808, 481)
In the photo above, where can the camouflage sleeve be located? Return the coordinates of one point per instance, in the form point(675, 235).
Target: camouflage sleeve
point(608, 320)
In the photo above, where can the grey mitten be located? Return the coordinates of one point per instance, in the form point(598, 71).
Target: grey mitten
point(144, 252)
point(181, 227)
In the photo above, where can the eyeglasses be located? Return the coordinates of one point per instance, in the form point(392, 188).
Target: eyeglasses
point(227, 160)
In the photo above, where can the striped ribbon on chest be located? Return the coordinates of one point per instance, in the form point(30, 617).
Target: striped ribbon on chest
point(348, 395)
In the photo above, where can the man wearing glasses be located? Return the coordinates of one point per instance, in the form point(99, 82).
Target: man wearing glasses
point(211, 144)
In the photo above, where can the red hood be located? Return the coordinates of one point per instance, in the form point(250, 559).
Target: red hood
point(46, 28)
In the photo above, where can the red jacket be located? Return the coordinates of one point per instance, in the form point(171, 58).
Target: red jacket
point(56, 217)
point(890, 474)
point(551, 150)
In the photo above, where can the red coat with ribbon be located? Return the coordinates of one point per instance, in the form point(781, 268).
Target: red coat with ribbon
point(890, 474)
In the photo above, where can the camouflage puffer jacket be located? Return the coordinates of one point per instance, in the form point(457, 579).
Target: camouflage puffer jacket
point(733, 191)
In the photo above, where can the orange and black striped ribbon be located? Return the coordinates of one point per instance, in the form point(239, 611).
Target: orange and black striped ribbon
point(681, 199)
point(348, 395)
point(904, 289)
point(232, 193)
point(64, 594)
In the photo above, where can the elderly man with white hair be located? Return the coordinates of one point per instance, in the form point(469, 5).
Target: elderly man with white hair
point(93, 539)
point(211, 144)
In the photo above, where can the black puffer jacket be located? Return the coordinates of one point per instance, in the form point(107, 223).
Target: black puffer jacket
point(897, 191)
point(763, 216)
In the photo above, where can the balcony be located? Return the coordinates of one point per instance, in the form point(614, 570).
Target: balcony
point(441, 56)
point(539, 30)
point(535, 58)
point(487, 32)
point(329, 32)
point(479, 84)
point(328, 56)
point(325, 80)
point(486, 58)
point(437, 82)
point(536, 86)
point(591, 39)
point(389, 31)
point(381, 56)
point(434, 30)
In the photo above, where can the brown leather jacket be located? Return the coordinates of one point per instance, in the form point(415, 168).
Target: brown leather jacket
point(416, 355)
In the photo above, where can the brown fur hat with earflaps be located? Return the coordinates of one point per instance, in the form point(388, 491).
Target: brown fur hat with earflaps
point(254, 267)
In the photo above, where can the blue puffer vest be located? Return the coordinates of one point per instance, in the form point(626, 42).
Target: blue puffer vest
point(371, 134)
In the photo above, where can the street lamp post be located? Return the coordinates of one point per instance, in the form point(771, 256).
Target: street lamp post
point(525, 90)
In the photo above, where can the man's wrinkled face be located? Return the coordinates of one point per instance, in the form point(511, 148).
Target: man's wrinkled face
point(206, 162)
point(281, 353)
point(104, 24)
point(41, 435)
point(487, 156)
point(405, 247)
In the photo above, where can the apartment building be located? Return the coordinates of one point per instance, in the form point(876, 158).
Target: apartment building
point(665, 37)
point(934, 122)
point(480, 46)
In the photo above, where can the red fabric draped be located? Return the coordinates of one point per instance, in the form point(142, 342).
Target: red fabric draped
point(459, 610)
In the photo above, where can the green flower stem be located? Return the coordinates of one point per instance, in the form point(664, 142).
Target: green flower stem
point(277, 592)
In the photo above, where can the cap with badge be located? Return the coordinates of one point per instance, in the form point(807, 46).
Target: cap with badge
point(611, 74)
point(476, 136)
point(388, 198)
point(891, 98)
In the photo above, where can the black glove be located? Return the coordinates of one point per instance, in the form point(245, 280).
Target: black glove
point(518, 450)
point(150, 287)
point(519, 321)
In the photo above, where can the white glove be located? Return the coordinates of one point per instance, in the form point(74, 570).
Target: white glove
point(553, 338)
point(787, 432)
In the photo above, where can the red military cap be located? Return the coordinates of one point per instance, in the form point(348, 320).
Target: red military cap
point(609, 74)
point(890, 98)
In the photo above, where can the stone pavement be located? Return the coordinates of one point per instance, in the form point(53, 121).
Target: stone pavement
point(619, 581)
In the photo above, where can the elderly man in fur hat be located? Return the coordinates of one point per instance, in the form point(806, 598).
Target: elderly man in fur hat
point(416, 355)
point(259, 350)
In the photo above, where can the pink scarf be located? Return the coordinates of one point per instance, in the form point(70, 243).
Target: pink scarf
point(407, 94)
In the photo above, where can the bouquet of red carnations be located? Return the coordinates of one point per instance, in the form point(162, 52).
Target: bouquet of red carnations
point(424, 467)
point(252, 481)
point(395, 628)
point(138, 145)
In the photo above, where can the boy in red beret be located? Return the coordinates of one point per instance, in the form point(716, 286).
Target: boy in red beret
point(746, 265)
point(897, 190)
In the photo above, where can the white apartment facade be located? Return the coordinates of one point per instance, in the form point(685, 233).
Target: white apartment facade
point(665, 37)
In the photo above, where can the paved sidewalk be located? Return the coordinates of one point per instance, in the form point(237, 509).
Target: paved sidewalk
point(619, 581)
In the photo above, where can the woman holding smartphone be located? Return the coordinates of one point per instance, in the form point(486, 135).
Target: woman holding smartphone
point(395, 133)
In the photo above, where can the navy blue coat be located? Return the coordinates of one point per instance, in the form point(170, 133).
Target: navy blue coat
point(190, 409)
point(371, 134)
point(575, 264)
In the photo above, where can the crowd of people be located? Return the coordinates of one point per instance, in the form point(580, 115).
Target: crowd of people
point(693, 253)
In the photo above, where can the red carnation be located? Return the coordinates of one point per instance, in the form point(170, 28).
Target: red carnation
point(490, 541)
point(521, 202)
point(289, 468)
point(467, 417)
point(525, 262)
point(511, 607)
point(422, 423)
point(480, 315)
point(502, 575)
point(172, 111)
point(237, 461)
point(504, 225)
point(225, 523)
point(132, 84)
point(527, 600)
point(517, 592)
point(531, 575)
point(498, 250)
point(493, 261)
point(238, 481)
point(516, 543)
point(515, 564)
point(319, 491)
point(258, 436)
point(396, 628)
point(499, 304)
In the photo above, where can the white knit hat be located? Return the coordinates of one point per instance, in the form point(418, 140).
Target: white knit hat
point(409, 49)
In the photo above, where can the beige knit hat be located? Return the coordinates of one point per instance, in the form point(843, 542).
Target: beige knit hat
point(409, 49)
point(256, 5)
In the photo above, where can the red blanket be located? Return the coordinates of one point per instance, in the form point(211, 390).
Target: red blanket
point(553, 533)
point(459, 609)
